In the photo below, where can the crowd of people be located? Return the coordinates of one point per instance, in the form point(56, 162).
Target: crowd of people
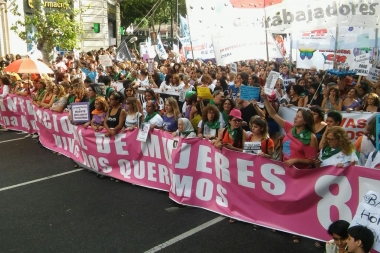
point(312, 140)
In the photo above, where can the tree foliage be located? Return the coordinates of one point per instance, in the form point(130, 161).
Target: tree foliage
point(135, 11)
point(60, 27)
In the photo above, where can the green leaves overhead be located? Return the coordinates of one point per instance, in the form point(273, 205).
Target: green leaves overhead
point(57, 24)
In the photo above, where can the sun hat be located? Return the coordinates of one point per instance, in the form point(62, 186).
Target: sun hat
point(15, 75)
point(236, 113)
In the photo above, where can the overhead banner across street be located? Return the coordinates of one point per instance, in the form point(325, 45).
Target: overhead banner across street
point(239, 185)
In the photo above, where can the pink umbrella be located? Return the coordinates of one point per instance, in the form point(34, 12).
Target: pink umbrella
point(28, 65)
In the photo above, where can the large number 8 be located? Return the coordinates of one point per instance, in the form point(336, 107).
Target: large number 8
point(322, 188)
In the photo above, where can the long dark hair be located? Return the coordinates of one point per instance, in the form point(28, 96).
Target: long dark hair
point(308, 118)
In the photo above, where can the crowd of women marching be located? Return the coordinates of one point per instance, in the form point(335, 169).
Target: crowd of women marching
point(312, 140)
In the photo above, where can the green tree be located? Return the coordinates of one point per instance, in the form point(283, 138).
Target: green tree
point(135, 11)
point(61, 27)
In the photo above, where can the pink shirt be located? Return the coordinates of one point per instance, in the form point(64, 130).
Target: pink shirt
point(294, 148)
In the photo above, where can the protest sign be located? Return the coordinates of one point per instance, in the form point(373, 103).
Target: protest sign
point(373, 74)
point(287, 81)
point(80, 112)
point(233, 67)
point(361, 65)
point(204, 92)
point(354, 123)
point(271, 82)
point(252, 147)
point(150, 65)
point(249, 93)
point(182, 95)
point(368, 215)
point(105, 60)
point(143, 132)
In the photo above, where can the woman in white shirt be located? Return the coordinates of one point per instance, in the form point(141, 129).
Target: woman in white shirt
point(337, 149)
point(153, 117)
point(134, 117)
point(168, 83)
point(4, 86)
point(144, 79)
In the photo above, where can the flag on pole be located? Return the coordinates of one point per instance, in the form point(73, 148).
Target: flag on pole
point(123, 53)
point(160, 50)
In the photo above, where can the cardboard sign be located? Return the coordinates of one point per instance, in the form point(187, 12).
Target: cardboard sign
point(143, 132)
point(249, 93)
point(373, 74)
point(252, 147)
point(234, 68)
point(80, 112)
point(204, 92)
point(361, 64)
point(182, 95)
point(368, 215)
point(271, 82)
point(150, 65)
point(287, 81)
point(105, 60)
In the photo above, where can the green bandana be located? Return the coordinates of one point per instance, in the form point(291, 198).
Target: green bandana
point(212, 102)
point(185, 133)
point(304, 136)
point(13, 84)
point(328, 152)
point(92, 100)
point(225, 117)
point(213, 125)
point(70, 99)
point(147, 118)
point(233, 132)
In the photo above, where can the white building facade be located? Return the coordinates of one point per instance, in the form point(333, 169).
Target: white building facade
point(106, 13)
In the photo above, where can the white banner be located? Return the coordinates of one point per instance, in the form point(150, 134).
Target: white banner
point(207, 17)
point(229, 49)
point(313, 14)
point(354, 123)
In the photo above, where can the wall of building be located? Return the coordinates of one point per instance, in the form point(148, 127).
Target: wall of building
point(101, 11)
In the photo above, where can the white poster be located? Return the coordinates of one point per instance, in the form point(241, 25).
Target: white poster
point(234, 67)
point(105, 60)
point(373, 74)
point(271, 82)
point(368, 215)
point(228, 49)
point(361, 65)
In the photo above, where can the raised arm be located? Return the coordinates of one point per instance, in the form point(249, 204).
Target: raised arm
point(271, 111)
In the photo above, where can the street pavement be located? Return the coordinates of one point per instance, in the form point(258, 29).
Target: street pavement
point(47, 205)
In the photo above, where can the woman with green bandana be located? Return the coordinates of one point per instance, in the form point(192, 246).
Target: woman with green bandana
point(225, 108)
point(300, 145)
point(153, 117)
point(337, 149)
point(232, 136)
point(185, 129)
point(209, 126)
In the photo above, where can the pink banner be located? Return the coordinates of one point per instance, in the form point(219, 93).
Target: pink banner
point(243, 186)
point(17, 113)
